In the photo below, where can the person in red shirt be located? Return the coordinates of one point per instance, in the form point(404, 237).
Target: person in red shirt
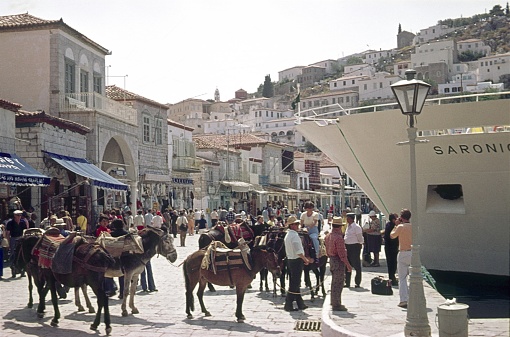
point(338, 262)
point(103, 225)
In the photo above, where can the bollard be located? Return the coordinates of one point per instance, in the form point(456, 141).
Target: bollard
point(453, 320)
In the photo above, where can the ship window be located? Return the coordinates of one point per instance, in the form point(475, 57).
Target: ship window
point(446, 199)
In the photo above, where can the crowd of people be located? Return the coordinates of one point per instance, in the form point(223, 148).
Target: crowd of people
point(349, 245)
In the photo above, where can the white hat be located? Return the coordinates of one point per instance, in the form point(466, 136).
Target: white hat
point(230, 209)
point(372, 213)
point(18, 212)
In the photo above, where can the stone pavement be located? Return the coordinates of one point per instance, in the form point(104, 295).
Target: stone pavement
point(162, 313)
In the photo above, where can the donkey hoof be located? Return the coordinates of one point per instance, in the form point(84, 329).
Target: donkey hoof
point(135, 311)
point(124, 313)
point(241, 319)
point(81, 309)
point(189, 316)
point(93, 327)
point(54, 323)
point(108, 330)
point(92, 311)
point(207, 314)
point(30, 305)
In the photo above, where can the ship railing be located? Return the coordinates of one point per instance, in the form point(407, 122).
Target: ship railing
point(327, 113)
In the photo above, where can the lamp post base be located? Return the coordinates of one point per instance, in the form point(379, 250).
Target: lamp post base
point(417, 322)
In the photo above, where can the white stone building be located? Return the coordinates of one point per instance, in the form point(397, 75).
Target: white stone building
point(490, 68)
point(290, 74)
point(432, 33)
point(473, 45)
point(377, 87)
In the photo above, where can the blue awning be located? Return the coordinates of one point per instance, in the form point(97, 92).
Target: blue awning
point(84, 168)
point(15, 171)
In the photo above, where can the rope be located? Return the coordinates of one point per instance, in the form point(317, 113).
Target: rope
point(363, 169)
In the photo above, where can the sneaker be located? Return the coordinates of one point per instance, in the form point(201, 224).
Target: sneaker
point(402, 304)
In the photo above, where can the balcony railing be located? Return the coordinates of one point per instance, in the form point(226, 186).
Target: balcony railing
point(92, 101)
point(186, 164)
point(280, 179)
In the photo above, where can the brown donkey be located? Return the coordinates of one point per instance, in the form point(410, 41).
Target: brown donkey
point(240, 277)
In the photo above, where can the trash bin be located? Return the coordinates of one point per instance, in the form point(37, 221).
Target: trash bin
point(453, 320)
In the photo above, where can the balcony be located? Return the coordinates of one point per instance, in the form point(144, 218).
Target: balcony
point(281, 179)
point(186, 164)
point(92, 101)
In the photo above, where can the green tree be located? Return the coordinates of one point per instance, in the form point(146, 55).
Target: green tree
point(354, 60)
point(399, 28)
point(469, 55)
point(268, 89)
point(497, 10)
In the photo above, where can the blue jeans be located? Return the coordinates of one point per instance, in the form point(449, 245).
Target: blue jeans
point(149, 279)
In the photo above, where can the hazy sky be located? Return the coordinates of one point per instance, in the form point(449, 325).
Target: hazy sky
point(172, 50)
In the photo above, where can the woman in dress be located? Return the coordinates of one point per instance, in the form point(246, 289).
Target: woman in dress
point(310, 220)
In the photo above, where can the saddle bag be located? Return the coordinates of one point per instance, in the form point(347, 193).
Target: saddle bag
point(381, 286)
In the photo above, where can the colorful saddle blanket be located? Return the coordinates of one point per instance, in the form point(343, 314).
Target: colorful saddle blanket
point(46, 248)
point(241, 230)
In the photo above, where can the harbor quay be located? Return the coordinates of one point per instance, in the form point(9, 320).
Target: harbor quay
point(162, 313)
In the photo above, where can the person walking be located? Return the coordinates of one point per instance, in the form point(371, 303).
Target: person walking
point(214, 217)
point(353, 243)
point(182, 224)
point(391, 248)
point(139, 220)
point(148, 218)
point(338, 263)
point(81, 222)
point(296, 260)
point(404, 232)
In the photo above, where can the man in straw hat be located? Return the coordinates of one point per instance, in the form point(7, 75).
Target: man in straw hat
point(338, 263)
point(296, 260)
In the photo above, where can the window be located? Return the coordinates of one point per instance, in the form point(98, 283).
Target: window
point(334, 84)
point(271, 113)
point(84, 81)
point(97, 83)
point(446, 90)
point(347, 99)
point(334, 100)
point(365, 87)
point(380, 85)
point(158, 131)
point(340, 100)
point(146, 129)
point(353, 81)
point(69, 77)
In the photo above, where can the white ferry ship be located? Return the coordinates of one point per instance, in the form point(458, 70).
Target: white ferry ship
point(463, 172)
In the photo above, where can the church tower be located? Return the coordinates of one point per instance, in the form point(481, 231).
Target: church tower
point(216, 95)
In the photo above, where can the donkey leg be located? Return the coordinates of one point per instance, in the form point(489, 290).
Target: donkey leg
point(54, 301)
point(87, 299)
point(211, 287)
point(107, 321)
point(77, 301)
point(30, 288)
point(134, 310)
point(200, 295)
point(42, 290)
point(101, 300)
point(239, 309)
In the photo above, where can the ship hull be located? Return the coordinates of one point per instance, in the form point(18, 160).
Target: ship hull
point(466, 234)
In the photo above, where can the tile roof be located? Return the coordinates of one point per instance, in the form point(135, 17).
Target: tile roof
point(26, 21)
point(14, 107)
point(41, 117)
point(119, 94)
point(240, 139)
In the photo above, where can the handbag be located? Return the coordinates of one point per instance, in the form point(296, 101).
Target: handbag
point(381, 286)
point(5, 243)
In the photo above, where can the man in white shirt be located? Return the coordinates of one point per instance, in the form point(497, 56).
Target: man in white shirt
point(138, 220)
point(353, 243)
point(157, 220)
point(148, 218)
point(296, 260)
point(214, 217)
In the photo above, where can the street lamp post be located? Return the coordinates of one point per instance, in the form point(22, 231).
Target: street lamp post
point(411, 95)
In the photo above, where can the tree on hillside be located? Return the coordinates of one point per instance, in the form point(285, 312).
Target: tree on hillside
point(399, 28)
point(354, 60)
point(310, 148)
point(268, 90)
point(497, 10)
